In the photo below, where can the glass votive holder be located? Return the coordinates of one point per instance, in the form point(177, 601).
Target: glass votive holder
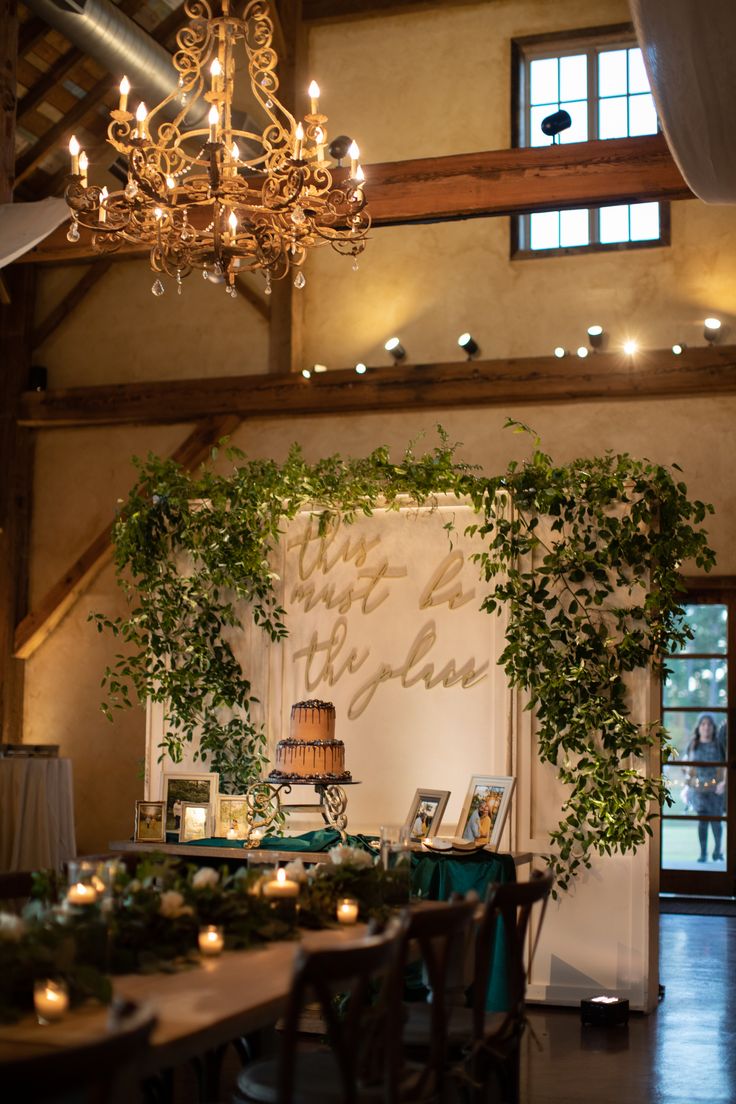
point(81, 893)
point(347, 910)
point(211, 940)
point(50, 999)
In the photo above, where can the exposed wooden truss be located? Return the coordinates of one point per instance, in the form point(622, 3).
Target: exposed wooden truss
point(71, 300)
point(602, 376)
point(497, 182)
point(56, 603)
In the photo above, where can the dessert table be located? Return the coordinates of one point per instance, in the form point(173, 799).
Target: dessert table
point(36, 813)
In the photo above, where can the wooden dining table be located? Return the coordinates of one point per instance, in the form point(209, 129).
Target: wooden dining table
point(198, 1009)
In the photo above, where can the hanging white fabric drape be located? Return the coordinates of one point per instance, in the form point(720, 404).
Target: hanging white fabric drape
point(23, 225)
point(688, 48)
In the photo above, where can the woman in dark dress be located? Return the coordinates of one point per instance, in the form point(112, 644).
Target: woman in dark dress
point(705, 785)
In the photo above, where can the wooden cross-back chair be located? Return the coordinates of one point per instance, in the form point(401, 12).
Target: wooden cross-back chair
point(105, 1071)
point(353, 985)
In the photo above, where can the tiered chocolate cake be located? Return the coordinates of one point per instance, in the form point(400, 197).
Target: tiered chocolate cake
point(311, 751)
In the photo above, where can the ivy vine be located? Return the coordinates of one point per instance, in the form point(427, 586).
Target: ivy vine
point(583, 557)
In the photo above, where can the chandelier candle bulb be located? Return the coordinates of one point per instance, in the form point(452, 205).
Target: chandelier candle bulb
point(74, 148)
point(281, 888)
point(298, 139)
point(51, 1000)
point(83, 166)
point(354, 154)
point(141, 116)
point(313, 93)
point(124, 92)
point(359, 179)
point(103, 209)
point(81, 894)
point(214, 120)
point(215, 74)
point(347, 910)
point(211, 940)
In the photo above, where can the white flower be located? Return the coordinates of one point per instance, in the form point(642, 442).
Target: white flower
point(350, 856)
point(12, 928)
point(296, 871)
point(172, 905)
point(205, 878)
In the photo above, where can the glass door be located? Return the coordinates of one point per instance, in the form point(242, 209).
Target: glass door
point(698, 701)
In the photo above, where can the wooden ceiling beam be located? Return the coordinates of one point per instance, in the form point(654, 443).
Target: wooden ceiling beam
point(604, 376)
point(8, 66)
point(344, 9)
point(38, 625)
point(483, 185)
point(31, 32)
point(39, 91)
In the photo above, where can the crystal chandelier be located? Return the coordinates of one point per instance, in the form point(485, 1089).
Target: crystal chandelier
point(213, 196)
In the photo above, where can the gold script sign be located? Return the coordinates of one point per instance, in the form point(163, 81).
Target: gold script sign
point(321, 583)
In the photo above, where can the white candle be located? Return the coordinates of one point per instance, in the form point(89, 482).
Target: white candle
point(81, 894)
point(141, 115)
point(50, 999)
point(281, 887)
point(215, 73)
point(214, 119)
point(83, 166)
point(74, 148)
point(298, 139)
point(354, 153)
point(347, 910)
point(232, 834)
point(313, 93)
point(211, 940)
point(103, 218)
point(124, 90)
point(319, 138)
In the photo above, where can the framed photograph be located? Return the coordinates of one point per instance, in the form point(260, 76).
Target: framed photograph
point(232, 816)
point(149, 822)
point(195, 821)
point(485, 809)
point(426, 813)
point(177, 788)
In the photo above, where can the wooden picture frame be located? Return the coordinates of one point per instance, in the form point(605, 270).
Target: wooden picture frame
point(427, 807)
point(231, 812)
point(176, 788)
point(196, 821)
point(494, 793)
point(150, 822)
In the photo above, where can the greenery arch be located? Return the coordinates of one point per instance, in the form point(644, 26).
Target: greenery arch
point(606, 536)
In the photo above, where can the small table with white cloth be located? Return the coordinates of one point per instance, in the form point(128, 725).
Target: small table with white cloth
point(36, 813)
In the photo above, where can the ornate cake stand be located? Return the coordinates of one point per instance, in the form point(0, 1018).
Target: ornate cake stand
point(266, 805)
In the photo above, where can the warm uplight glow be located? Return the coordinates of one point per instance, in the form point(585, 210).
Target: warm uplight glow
point(582, 352)
point(360, 368)
point(631, 347)
point(559, 352)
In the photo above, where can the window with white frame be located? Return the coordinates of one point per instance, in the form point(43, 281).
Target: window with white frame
point(601, 82)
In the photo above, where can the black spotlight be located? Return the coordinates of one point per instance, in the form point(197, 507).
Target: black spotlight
point(555, 124)
point(338, 147)
point(596, 335)
point(468, 345)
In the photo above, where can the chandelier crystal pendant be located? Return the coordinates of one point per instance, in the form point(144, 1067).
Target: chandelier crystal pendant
point(217, 197)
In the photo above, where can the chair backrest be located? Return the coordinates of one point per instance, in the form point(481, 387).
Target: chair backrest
point(353, 985)
point(440, 931)
point(100, 1072)
point(506, 917)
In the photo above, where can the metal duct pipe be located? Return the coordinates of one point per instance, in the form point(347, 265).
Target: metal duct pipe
point(115, 41)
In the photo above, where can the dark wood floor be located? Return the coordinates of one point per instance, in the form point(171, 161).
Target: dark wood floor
point(684, 1053)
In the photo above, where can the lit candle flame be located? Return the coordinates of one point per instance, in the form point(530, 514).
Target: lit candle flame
point(141, 112)
point(313, 91)
point(74, 146)
point(215, 68)
point(281, 874)
point(353, 151)
point(235, 152)
point(170, 182)
point(233, 221)
point(124, 86)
